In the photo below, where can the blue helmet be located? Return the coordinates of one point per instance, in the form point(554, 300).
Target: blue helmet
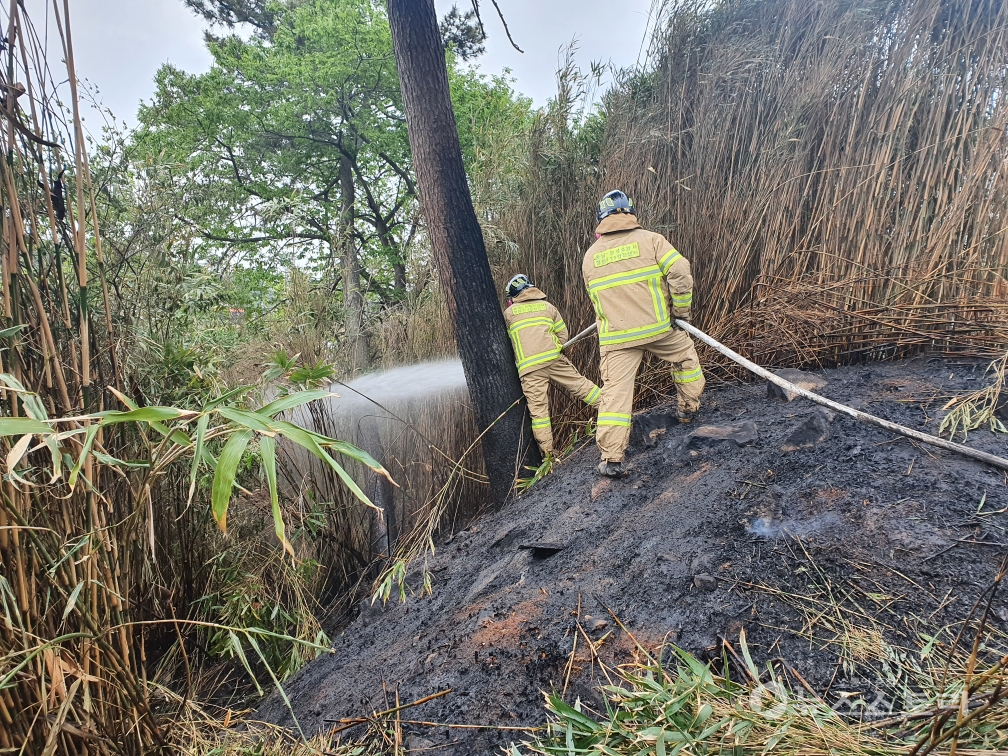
point(518, 284)
point(615, 202)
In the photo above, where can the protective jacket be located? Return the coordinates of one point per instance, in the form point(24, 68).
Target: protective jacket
point(637, 282)
point(537, 331)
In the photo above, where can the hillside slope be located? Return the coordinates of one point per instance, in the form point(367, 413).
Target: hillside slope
point(676, 551)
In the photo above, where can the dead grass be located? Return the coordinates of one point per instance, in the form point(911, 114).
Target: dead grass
point(950, 697)
point(833, 171)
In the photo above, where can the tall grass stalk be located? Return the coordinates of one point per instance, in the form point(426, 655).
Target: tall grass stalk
point(835, 172)
point(109, 509)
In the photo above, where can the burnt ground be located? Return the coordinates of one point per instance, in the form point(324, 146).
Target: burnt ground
point(892, 527)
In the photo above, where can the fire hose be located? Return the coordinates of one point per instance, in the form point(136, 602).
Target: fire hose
point(862, 417)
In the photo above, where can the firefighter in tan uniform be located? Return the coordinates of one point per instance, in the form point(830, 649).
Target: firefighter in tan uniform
point(638, 283)
point(537, 332)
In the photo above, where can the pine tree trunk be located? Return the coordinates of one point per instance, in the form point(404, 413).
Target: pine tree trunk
point(457, 241)
point(353, 299)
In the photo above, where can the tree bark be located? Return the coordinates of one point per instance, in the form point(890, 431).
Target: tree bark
point(457, 242)
point(353, 299)
point(399, 271)
point(385, 237)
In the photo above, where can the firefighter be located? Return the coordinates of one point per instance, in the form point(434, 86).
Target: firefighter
point(638, 283)
point(537, 332)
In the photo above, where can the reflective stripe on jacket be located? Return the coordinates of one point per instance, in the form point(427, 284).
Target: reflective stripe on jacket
point(536, 329)
point(637, 282)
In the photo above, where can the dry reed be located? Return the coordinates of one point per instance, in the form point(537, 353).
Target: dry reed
point(73, 560)
point(835, 173)
point(111, 577)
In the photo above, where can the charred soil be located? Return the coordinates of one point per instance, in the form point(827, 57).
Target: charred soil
point(711, 532)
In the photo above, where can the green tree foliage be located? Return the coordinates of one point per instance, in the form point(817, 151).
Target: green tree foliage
point(256, 142)
point(260, 14)
point(463, 34)
point(249, 154)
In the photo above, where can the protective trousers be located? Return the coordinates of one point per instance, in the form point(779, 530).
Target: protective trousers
point(536, 388)
point(619, 372)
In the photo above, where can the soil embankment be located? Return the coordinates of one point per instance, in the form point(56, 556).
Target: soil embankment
point(675, 551)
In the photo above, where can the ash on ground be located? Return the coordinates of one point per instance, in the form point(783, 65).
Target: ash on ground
point(704, 538)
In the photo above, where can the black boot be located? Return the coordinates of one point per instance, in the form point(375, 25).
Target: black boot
point(687, 417)
point(612, 469)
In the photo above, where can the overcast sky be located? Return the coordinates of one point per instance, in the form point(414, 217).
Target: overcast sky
point(120, 44)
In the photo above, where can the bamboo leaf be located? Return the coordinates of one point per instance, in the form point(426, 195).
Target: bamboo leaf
point(347, 479)
point(144, 415)
point(276, 682)
point(57, 458)
point(344, 448)
point(10, 610)
point(246, 419)
point(107, 459)
point(349, 450)
point(291, 401)
point(18, 451)
point(13, 383)
point(224, 477)
point(17, 426)
point(309, 441)
point(33, 407)
point(176, 436)
point(123, 398)
point(931, 640)
point(236, 648)
point(63, 435)
point(700, 671)
point(72, 600)
point(92, 431)
point(267, 447)
point(711, 729)
point(223, 398)
point(52, 740)
point(32, 404)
